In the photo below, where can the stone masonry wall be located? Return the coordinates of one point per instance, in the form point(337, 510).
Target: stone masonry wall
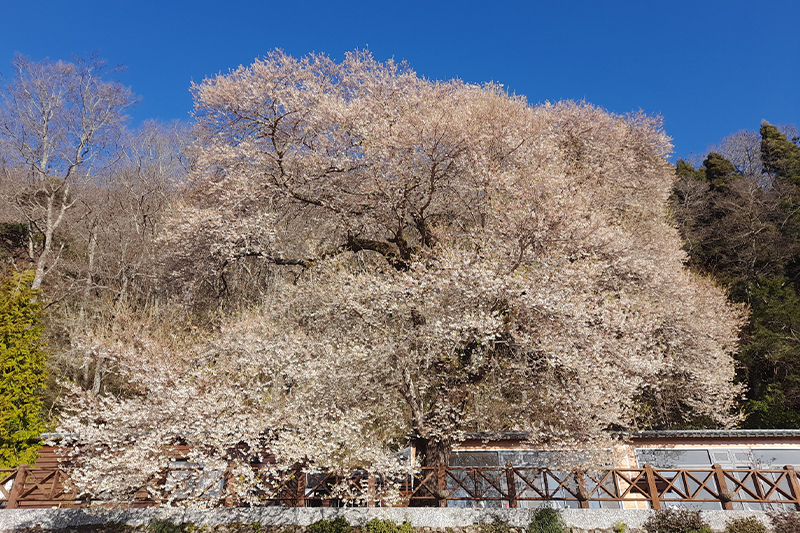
point(294, 520)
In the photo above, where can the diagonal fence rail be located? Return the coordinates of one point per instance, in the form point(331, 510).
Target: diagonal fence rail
point(714, 487)
point(512, 486)
point(26, 487)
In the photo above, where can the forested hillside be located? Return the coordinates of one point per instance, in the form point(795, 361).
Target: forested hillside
point(82, 198)
point(739, 215)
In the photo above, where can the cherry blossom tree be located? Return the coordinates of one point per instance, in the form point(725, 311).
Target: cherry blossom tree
point(456, 260)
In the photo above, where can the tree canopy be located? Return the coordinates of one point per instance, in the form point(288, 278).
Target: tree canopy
point(59, 121)
point(738, 214)
point(780, 156)
point(444, 258)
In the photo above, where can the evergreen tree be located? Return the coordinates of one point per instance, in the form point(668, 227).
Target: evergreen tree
point(684, 169)
point(719, 171)
point(771, 354)
point(23, 370)
point(780, 156)
point(747, 235)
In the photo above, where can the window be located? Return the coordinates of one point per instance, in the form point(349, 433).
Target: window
point(186, 479)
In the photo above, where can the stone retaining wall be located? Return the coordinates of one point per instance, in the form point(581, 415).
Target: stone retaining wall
point(425, 519)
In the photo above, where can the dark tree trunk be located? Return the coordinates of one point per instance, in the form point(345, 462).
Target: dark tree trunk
point(433, 452)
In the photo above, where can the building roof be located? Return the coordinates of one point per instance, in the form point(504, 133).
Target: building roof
point(661, 434)
point(717, 433)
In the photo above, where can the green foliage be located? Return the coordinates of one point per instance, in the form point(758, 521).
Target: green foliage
point(620, 527)
point(780, 157)
point(376, 525)
point(546, 520)
point(772, 410)
point(685, 169)
point(785, 522)
point(165, 526)
point(13, 237)
point(747, 236)
point(496, 526)
point(23, 371)
point(773, 356)
point(745, 525)
point(719, 171)
point(676, 521)
point(337, 525)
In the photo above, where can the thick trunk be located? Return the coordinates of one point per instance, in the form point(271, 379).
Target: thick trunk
point(433, 452)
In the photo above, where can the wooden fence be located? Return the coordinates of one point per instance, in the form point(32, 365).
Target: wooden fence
point(512, 485)
point(26, 487)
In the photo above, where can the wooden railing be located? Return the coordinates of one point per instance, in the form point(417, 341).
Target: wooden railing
point(512, 485)
point(460, 486)
point(25, 487)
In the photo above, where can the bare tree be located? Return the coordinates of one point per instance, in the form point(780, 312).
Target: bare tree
point(59, 123)
point(122, 212)
point(115, 259)
point(743, 149)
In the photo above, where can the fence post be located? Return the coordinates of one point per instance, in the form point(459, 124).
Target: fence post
point(300, 495)
point(794, 485)
point(652, 491)
point(511, 486)
point(227, 498)
point(371, 489)
point(441, 485)
point(583, 494)
point(18, 487)
point(722, 488)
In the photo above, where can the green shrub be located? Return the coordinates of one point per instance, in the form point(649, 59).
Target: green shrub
point(546, 520)
point(165, 526)
point(376, 525)
point(496, 526)
point(745, 525)
point(785, 522)
point(620, 527)
point(676, 521)
point(23, 370)
point(337, 525)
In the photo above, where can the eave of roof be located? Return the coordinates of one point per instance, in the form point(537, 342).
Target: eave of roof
point(500, 435)
point(660, 434)
point(717, 434)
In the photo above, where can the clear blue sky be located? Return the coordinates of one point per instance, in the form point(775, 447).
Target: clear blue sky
point(710, 68)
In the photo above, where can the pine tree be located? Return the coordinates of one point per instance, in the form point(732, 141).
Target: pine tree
point(781, 157)
point(719, 171)
point(747, 236)
point(23, 370)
